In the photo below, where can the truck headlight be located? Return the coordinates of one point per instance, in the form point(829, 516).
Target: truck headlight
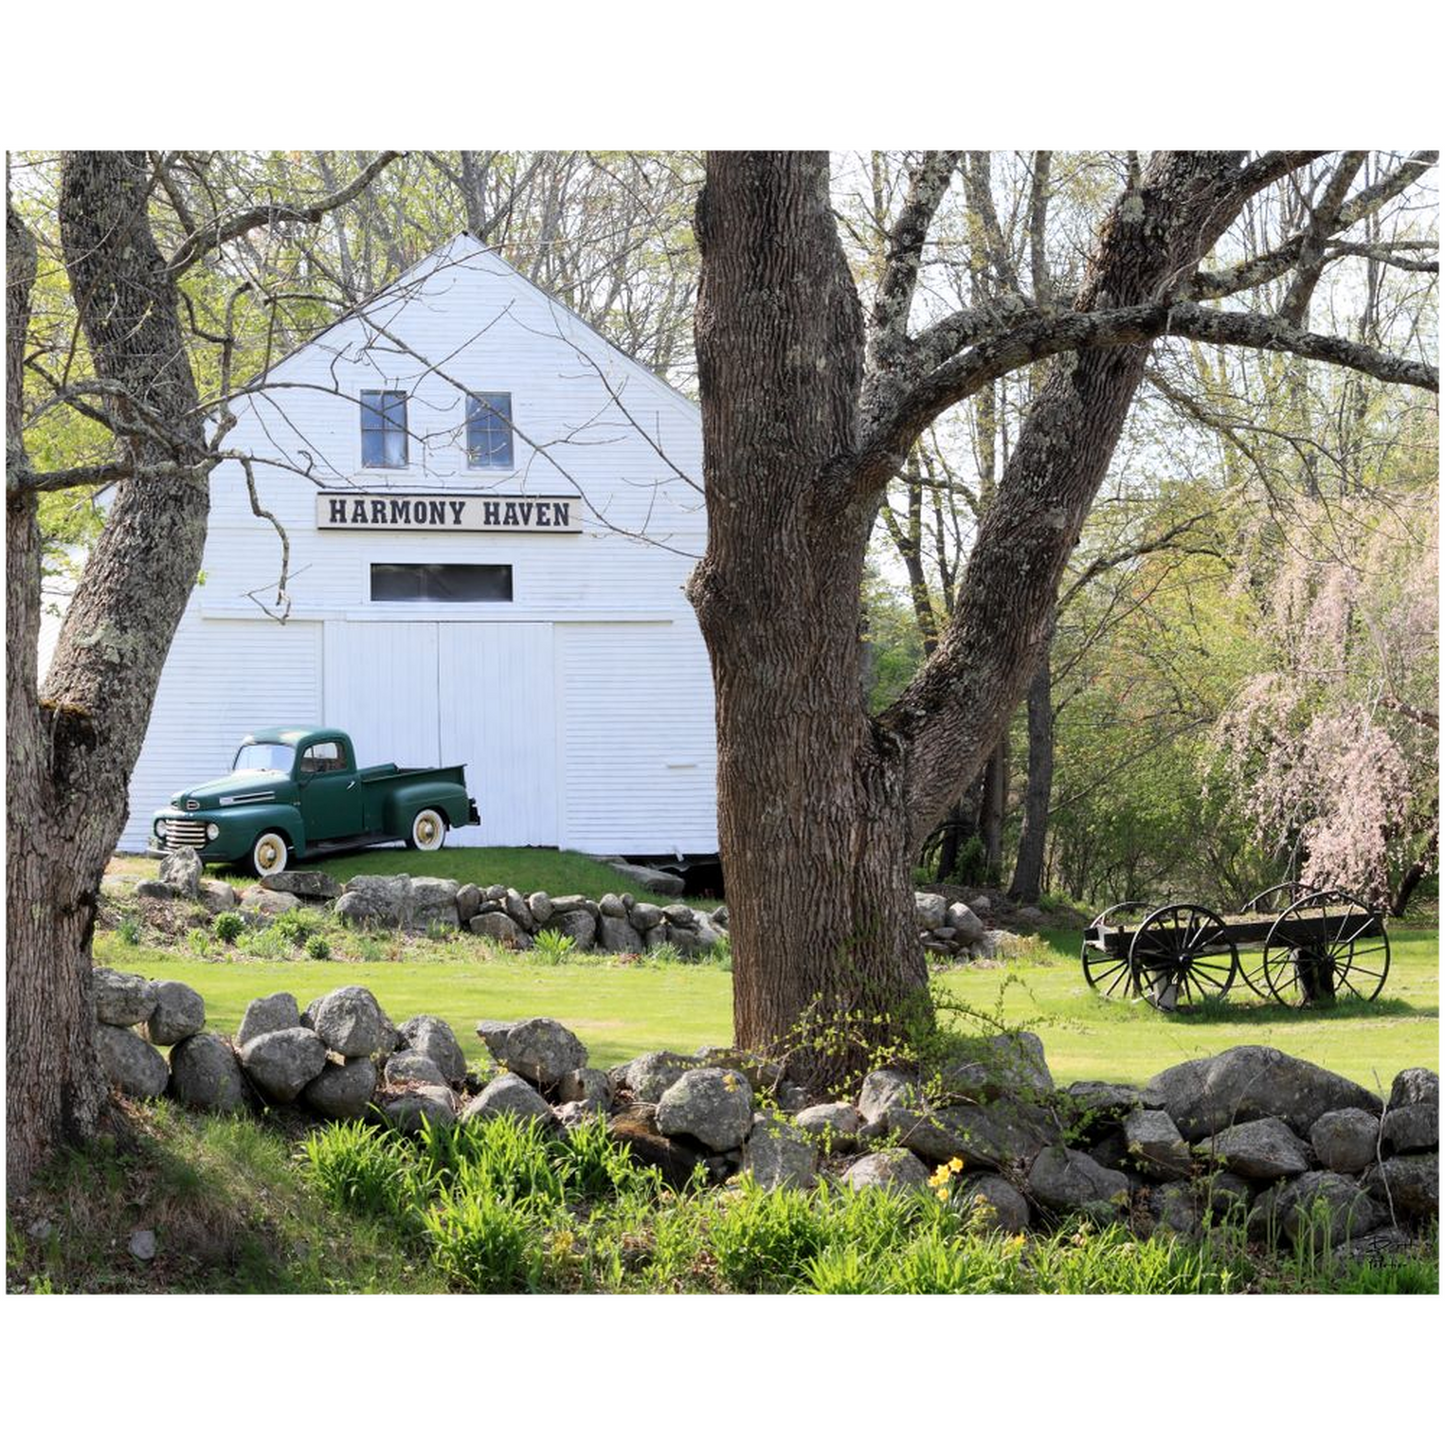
point(212, 832)
point(160, 827)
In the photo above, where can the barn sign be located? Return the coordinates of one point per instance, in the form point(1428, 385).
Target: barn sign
point(396, 512)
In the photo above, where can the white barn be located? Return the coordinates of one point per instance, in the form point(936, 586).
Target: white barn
point(491, 514)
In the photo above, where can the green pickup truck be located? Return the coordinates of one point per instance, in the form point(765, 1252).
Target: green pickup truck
point(296, 793)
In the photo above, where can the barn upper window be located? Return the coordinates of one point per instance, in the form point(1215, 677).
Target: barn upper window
point(489, 429)
point(383, 428)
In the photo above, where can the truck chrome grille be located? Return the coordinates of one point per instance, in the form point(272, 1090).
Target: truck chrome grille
point(185, 833)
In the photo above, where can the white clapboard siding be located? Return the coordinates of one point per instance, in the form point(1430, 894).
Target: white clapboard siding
point(221, 680)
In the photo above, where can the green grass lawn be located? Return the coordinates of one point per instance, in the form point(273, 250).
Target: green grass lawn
point(620, 1010)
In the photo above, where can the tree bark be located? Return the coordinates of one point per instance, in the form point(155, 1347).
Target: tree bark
point(73, 744)
point(1028, 879)
point(811, 817)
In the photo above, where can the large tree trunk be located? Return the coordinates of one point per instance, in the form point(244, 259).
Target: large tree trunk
point(72, 746)
point(811, 819)
point(1028, 880)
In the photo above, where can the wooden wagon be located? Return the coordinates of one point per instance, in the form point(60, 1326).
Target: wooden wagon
point(1313, 947)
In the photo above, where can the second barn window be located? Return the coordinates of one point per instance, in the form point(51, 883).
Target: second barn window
point(489, 429)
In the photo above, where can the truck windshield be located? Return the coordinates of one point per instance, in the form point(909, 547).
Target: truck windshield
point(264, 758)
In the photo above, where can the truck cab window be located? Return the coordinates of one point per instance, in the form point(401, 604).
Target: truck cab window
point(327, 757)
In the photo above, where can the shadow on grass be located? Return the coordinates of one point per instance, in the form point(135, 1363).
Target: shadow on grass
point(1244, 1012)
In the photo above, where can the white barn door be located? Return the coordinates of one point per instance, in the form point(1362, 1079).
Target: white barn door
point(498, 717)
point(381, 687)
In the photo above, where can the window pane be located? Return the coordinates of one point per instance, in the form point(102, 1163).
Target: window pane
point(489, 431)
point(440, 582)
point(395, 450)
point(371, 411)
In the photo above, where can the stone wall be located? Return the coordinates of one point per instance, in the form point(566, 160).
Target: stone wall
point(1252, 1133)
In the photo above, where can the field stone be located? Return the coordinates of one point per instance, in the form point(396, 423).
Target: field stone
point(469, 903)
point(142, 1245)
point(179, 1012)
point(493, 1033)
point(569, 903)
point(835, 1126)
point(424, 1104)
point(266, 1016)
point(1175, 1206)
point(1298, 1205)
point(612, 906)
point(206, 1074)
point(1410, 1183)
point(778, 1155)
point(304, 883)
point(379, 899)
point(929, 911)
point(1259, 1149)
point(896, 1169)
point(154, 889)
point(282, 1063)
point(131, 1064)
point(431, 903)
point(1345, 1140)
point(217, 897)
point(508, 1095)
point(433, 1036)
point(543, 1050)
point(1063, 1180)
point(122, 999)
point(585, 1086)
point(1411, 1129)
point(1106, 1101)
point(649, 1076)
point(498, 927)
point(714, 1106)
point(1011, 1063)
point(635, 1130)
point(349, 1021)
point(181, 870)
point(966, 924)
point(617, 935)
point(267, 902)
point(645, 916)
point(1205, 1096)
point(1416, 1086)
point(576, 1112)
point(1155, 1146)
point(342, 1091)
point(1005, 1131)
point(413, 1067)
point(881, 1091)
point(577, 924)
point(994, 1203)
point(540, 905)
point(518, 911)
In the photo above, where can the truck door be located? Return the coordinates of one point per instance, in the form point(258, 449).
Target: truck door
point(331, 793)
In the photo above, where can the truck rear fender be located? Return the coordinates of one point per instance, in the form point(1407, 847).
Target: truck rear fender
point(406, 802)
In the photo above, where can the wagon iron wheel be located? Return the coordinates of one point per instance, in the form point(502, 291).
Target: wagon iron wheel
point(1107, 973)
point(1181, 955)
point(1325, 946)
point(1276, 898)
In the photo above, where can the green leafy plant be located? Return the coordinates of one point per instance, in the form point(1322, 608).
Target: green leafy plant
point(317, 947)
point(295, 927)
point(128, 931)
point(228, 927)
point(552, 947)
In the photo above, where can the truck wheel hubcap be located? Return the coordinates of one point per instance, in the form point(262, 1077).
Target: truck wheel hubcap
point(268, 853)
point(426, 830)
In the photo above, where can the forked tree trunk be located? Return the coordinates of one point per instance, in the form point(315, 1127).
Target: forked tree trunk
point(74, 742)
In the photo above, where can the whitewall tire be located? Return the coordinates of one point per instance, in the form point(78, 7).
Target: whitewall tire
point(428, 831)
point(269, 854)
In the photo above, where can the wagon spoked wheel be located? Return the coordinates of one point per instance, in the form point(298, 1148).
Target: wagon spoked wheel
point(1328, 945)
point(1108, 973)
point(1182, 954)
point(1272, 900)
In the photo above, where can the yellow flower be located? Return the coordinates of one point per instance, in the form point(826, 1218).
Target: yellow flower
point(955, 1166)
point(943, 1193)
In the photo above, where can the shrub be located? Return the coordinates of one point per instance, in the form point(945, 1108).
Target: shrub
point(228, 927)
point(295, 927)
point(317, 947)
point(128, 931)
point(552, 946)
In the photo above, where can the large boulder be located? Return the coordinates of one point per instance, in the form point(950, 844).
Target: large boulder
point(181, 870)
point(575, 923)
point(217, 897)
point(542, 1051)
point(882, 1090)
point(378, 901)
point(206, 1074)
point(308, 884)
point(493, 1033)
point(122, 999)
point(499, 928)
point(268, 1015)
point(259, 902)
point(342, 1091)
point(833, 1126)
point(131, 1064)
point(426, 1104)
point(1155, 1146)
point(432, 903)
point(1260, 1149)
point(1319, 1204)
point(1203, 1096)
point(282, 1063)
point(1345, 1140)
point(1416, 1086)
point(896, 1169)
point(645, 916)
point(648, 1077)
point(349, 1022)
point(410, 1067)
point(539, 905)
point(179, 1012)
point(929, 911)
point(1408, 1184)
point(652, 879)
point(714, 1106)
point(508, 1095)
point(1064, 1180)
point(427, 1034)
point(984, 1068)
point(779, 1155)
point(1412, 1129)
point(617, 935)
point(993, 1203)
point(966, 925)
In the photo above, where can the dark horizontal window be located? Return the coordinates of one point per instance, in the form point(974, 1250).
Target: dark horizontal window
point(489, 429)
point(383, 428)
point(440, 582)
